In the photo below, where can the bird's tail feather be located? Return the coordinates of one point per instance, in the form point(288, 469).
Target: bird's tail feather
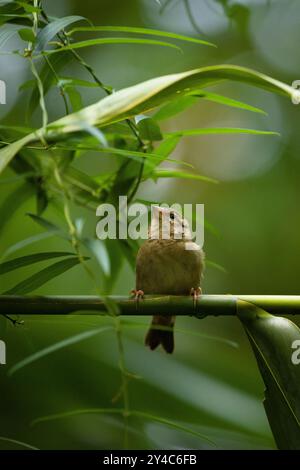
point(156, 336)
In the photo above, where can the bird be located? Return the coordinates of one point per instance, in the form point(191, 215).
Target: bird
point(165, 266)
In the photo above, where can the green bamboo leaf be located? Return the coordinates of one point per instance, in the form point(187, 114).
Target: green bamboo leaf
point(149, 158)
point(50, 31)
point(69, 414)
point(215, 265)
point(70, 81)
point(272, 341)
point(47, 225)
point(18, 129)
point(138, 414)
point(28, 7)
point(56, 347)
point(219, 339)
point(27, 260)
point(13, 201)
point(99, 41)
point(134, 100)
point(174, 107)
point(220, 130)
point(82, 181)
point(216, 98)
point(165, 148)
point(20, 19)
point(42, 277)
point(148, 128)
point(27, 35)
point(142, 97)
point(18, 443)
point(170, 173)
point(172, 425)
point(8, 152)
point(27, 84)
point(168, 146)
point(134, 30)
point(75, 98)
point(57, 62)
point(98, 249)
point(26, 242)
point(184, 102)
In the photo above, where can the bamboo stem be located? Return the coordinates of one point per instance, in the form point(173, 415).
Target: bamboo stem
point(207, 305)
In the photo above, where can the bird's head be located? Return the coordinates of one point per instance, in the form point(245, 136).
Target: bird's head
point(168, 223)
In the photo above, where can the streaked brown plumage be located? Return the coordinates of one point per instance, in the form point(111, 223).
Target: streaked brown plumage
point(164, 266)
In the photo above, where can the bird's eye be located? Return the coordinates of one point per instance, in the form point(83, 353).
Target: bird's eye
point(172, 216)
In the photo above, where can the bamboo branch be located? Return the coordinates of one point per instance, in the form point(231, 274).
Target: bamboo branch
point(207, 305)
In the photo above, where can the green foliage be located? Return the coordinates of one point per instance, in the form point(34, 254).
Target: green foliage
point(52, 29)
point(28, 260)
point(56, 347)
point(271, 339)
point(47, 160)
point(40, 278)
point(141, 97)
point(27, 35)
point(146, 31)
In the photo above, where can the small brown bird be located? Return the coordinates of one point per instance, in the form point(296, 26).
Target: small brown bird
point(165, 266)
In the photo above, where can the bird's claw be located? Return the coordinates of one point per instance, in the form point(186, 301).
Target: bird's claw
point(138, 295)
point(196, 293)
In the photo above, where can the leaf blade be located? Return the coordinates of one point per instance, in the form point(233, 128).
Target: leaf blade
point(48, 32)
point(42, 277)
point(221, 131)
point(172, 173)
point(136, 30)
point(101, 41)
point(28, 260)
point(271, 339)
point(56, 347)
point(144, 96)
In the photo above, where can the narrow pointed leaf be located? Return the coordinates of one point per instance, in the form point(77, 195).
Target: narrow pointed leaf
point(23, 261)
point(144, 96)
point(135, 30)
point(26, 242)
point(220, 99)
point(184, 102)
point(47, 225)
point(148, 129)
point(18, 443)
point(49, 32)
point(101, 41)
point(170, 173)
point(27, 35)
point(42, 277)
point(138, 414)
point(221, 130)
point(56, 347)
point(272, 341)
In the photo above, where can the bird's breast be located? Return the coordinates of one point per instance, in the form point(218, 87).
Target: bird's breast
point(166, 267)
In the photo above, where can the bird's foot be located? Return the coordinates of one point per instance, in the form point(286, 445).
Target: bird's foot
point(196, 293)
point(138, 295)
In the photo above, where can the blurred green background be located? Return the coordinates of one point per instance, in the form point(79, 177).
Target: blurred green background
point(208, 385)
